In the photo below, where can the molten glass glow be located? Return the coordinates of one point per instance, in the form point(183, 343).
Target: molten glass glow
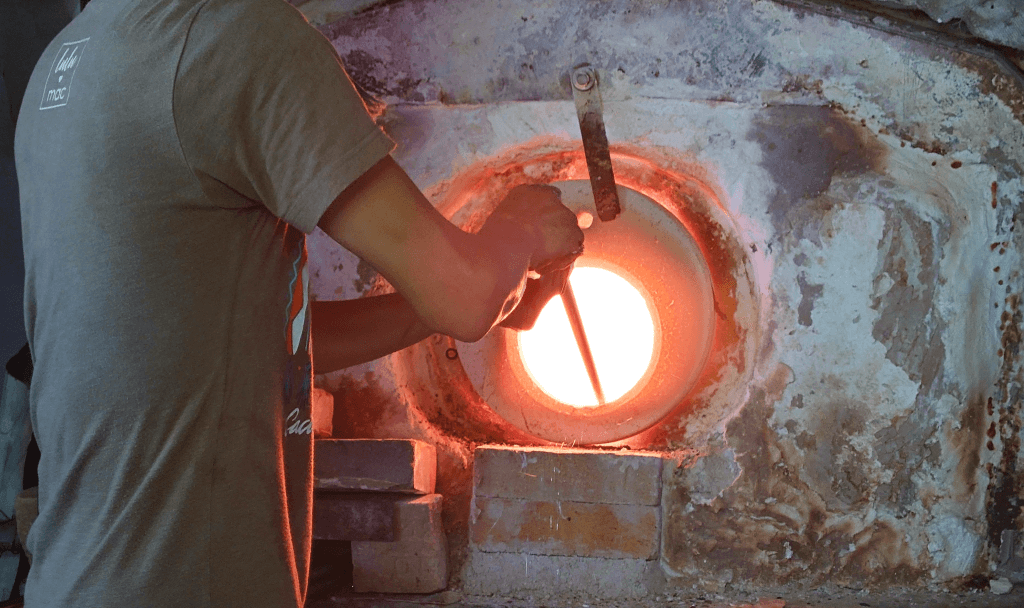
point(620, 330)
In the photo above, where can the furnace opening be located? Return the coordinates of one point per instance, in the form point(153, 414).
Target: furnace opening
point(619, 327)
point(651, 334)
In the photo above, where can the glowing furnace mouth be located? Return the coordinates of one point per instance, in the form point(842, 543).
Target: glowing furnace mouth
point(620, 329)
point(542, 389)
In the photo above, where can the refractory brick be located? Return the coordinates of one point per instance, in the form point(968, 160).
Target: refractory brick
point(565, 528)
point(547, 474)
point(322, 413)
point(375, 465)
point(338, 516)
point(415, 562)
point(533, 578)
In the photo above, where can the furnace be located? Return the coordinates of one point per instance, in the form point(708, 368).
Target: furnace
point(821, 216)
point(674, 244)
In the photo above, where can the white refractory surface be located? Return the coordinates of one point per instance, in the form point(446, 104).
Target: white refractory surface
point(999, 21)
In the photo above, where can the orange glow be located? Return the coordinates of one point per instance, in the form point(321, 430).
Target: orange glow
point(620, 330)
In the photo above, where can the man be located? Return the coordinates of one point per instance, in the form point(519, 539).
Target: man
point(171, 155)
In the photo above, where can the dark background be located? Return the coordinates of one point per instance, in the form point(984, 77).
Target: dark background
point(26, 27)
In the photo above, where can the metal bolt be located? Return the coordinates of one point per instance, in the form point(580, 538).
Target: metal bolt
point(584, 78)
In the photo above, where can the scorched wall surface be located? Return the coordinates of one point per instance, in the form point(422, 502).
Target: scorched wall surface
point(866, 428)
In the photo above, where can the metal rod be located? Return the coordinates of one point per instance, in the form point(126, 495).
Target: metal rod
point(590, 112)
point(576, 322)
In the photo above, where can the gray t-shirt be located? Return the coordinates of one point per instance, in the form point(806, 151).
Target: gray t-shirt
point(171, 154)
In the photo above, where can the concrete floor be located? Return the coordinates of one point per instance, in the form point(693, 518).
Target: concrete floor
point(836, 598)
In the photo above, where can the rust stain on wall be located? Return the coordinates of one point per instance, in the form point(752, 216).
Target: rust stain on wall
point(1003, 497)
point(803, 147)
point(994, 80)
point(839, 472)
point(967, 441)
point(773, 525)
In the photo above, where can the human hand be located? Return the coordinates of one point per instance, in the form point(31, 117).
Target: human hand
point(538, 211)
point(537, 294)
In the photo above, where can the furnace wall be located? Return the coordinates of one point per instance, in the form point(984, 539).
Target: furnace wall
point(872, 435)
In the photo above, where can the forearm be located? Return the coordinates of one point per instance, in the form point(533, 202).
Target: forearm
point(350, 332)
point(485, 282)
point(459, 284)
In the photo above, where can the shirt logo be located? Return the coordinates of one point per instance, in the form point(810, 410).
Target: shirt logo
point(298, 304)
point(298, 426)
point(57, 90)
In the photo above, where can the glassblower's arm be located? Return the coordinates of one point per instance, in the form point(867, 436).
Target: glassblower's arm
point(448, 281)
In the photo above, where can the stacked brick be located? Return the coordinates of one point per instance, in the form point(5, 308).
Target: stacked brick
point(379, 494)
point(551, 519)
point(322, 413)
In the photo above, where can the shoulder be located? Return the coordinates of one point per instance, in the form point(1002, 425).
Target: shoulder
point(262, 21)
point(251, 11)
point(258, 38)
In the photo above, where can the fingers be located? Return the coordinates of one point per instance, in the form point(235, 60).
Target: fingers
point(563, 238)
point(570, 242)
point(561, 277)
point(558, 264)
point(538, 293)
point(539, 208)
point(537, 188)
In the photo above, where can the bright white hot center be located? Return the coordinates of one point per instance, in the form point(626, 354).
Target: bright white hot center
point(619, 327)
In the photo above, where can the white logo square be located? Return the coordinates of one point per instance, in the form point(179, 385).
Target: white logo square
point(57, 90)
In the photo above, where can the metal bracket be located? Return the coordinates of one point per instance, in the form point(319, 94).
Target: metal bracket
point(590, 112)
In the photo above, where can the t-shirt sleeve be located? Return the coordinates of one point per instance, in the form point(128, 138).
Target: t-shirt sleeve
point(264, 107)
